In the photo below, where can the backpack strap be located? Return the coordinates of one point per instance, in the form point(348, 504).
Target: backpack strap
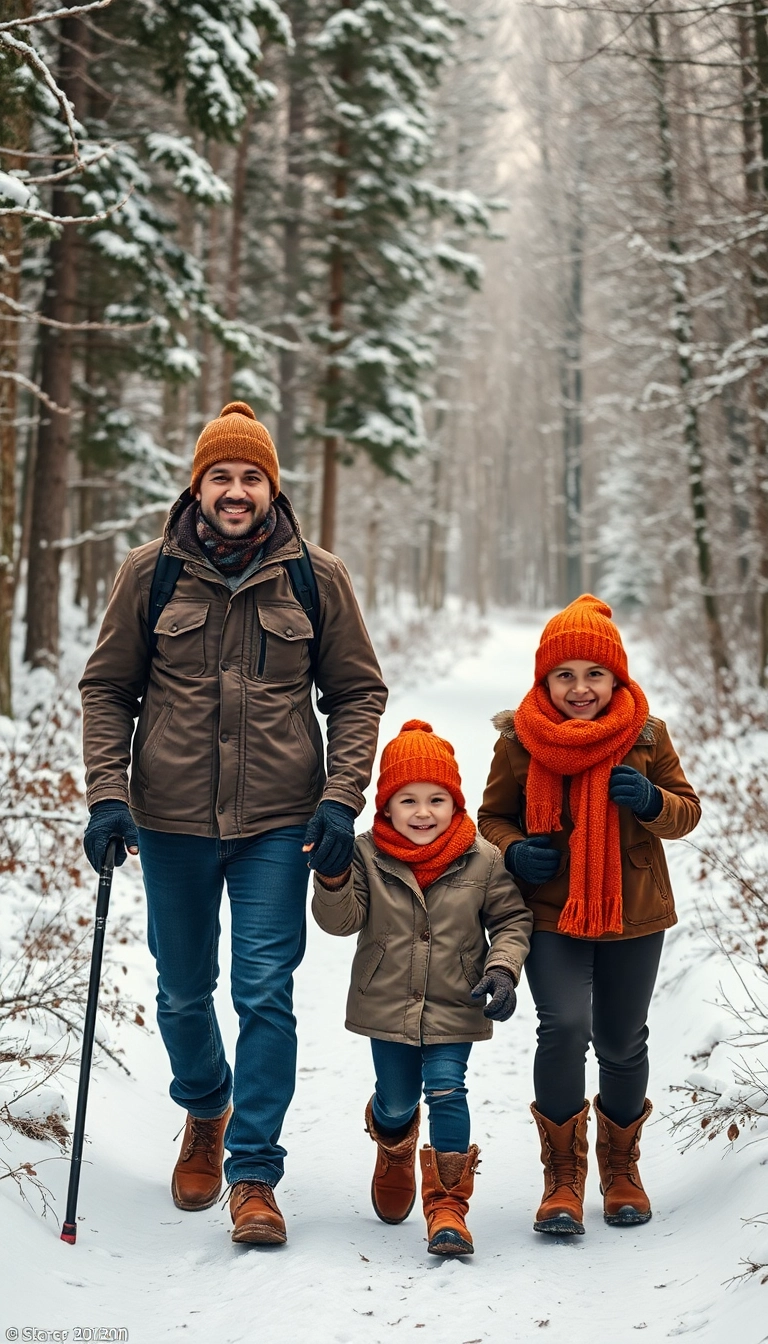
point(164, 580)
point(301, 576)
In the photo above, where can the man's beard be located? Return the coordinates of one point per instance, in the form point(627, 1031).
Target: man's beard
point(214, 521)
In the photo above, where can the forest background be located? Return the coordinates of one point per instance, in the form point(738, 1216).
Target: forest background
point(494, 275)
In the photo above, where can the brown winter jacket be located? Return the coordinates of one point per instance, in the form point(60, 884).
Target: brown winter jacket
point(227, 743)
point(420, 953)
point(646, 890)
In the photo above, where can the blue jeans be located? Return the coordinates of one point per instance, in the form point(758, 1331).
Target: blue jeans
point(400, 1072)
point(266, 877)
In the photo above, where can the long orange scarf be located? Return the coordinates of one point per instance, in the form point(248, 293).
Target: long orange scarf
point(428, 862)
point(586, 751)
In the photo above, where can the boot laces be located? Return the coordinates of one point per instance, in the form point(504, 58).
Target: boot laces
point(203, 1137)
point(564, 1169)
point(244, 1190)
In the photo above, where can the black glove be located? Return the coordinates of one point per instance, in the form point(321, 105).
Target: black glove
point(331, 836)
point(500, 984)
point(629, 788)
point(535, 860)
point(109, 818)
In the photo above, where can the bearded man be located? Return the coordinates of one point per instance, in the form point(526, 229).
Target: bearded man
point(228, 785)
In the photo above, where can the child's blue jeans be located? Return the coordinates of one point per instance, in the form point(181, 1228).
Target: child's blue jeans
point(400, 1072)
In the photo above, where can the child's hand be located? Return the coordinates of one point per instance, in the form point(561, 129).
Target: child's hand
point(535, 859)
point(629, 788)
point(500, 984)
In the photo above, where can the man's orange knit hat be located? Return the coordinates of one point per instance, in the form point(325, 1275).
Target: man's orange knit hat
point(583, 630)
point(418, 756)
point(235, 434)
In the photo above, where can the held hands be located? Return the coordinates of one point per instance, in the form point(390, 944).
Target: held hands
point(330, 839)
point(629, 788)
point(500, 984)
point(109, 818)
point(535, 860)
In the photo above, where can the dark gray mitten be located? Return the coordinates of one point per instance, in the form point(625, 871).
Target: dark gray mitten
point(501, 986)
point(109, 818)
point(331, 833)
point(535, 860)
point(629, 788)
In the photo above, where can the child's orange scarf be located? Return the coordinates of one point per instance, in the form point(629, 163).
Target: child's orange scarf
point(428, 862)
point(585, 751)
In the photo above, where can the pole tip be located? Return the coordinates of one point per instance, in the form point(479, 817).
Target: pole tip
point(69, 1233)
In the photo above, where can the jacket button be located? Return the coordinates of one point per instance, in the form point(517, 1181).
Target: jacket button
point(417, 994)
point(221, 807)
point(425, 936)
point(225, 667)
point(289, 633)
point(174, 628)
point(225, 737)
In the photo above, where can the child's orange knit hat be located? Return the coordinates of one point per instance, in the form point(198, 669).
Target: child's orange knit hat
point(583, 630)
point(235, 435)
point(418, 756)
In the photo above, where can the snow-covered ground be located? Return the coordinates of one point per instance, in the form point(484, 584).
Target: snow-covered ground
point(161, 1275)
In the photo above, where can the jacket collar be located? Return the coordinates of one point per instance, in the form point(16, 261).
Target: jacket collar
point(398, 868)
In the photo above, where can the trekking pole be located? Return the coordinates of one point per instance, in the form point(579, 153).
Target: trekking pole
point(69, 1229)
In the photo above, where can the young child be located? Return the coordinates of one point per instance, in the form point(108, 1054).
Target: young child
point(425, 894)
point(583, 788)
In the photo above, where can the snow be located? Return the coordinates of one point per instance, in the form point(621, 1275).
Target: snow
point(344, 1277)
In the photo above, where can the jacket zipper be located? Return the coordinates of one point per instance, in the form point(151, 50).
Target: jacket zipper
point(262, 654)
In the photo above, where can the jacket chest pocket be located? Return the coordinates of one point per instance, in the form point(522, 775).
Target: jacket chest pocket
point(281, 647)
point(181, 637)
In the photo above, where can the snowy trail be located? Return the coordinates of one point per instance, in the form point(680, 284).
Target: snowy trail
point(163, 1275)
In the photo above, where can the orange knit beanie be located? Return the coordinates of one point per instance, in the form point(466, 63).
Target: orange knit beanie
point(418, 756)
point(584, 630)
point(235, 435)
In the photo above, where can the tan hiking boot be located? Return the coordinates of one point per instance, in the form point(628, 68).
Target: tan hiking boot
point(564, 1155)
point(625, 1202)
point(393, 1189)
point(255, 1214)
point(196, 1180)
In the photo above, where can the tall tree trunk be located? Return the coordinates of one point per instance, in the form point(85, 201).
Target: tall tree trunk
point(292, 208)
point(57, 350)
point(572, 392)
point(236, 249)
point(682, 329)
point(14, 134)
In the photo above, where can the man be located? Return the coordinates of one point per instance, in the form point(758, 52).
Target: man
point(226, 773)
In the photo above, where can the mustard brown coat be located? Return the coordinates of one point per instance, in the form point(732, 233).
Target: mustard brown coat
point(420, 953)
point(227, 743)
point(646, 890)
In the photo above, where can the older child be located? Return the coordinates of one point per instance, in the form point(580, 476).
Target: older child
point(425, 894)
point(583, 788)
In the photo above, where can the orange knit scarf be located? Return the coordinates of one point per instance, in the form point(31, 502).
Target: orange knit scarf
point(585, 751)
point(428, 862)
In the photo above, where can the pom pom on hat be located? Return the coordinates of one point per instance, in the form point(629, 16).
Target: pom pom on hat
point(235, 435)
point(583, 630)
point(418, 756)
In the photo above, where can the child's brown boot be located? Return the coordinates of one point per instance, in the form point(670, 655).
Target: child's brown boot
point(447, 1183)
point(624, 1199)
point(393, 1188)
point(564, 1155)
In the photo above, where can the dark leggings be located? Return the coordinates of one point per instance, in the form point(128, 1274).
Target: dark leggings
point(592, 991)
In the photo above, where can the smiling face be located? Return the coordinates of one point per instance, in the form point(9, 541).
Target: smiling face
point(421, 812)
point(579, 689)
point(234, 497)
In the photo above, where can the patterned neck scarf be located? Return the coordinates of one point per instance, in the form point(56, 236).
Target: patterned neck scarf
point(232, 555)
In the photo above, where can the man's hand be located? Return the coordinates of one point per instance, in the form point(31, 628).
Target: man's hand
point(501, 986)
point(330, 838)
point(535, 860)
point(629, 788)
point(109, 818)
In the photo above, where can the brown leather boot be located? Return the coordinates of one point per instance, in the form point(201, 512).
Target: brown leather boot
point(393, 1189)
point(255, 1214)
point(447, 1183)
point(624, 1199)
point(564, 1154)
point(196, 1180)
